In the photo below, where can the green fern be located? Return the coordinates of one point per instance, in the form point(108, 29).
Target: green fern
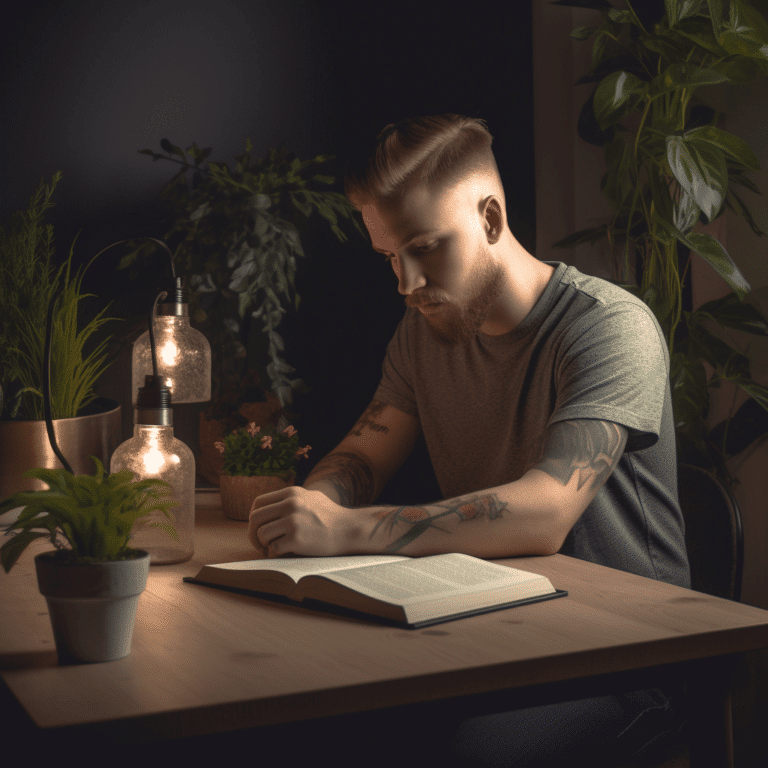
point(93, 513)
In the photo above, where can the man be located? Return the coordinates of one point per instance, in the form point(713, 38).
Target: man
point(542, 394)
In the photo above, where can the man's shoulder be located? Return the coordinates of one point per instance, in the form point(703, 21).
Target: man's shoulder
point(602, 290)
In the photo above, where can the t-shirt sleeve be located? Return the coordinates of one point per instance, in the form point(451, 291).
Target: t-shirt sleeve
point(396, 386)
point(614, 365)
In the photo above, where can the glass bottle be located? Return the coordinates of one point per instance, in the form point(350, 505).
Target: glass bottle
point(153, 452)
point(183, 353)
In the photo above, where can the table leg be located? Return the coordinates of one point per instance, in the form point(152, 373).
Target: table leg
point(709, 723)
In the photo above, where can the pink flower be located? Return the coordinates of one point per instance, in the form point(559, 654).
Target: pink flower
point(266, 442)
point(289, 431)
point(219, 447)
point(253, 430)
point(302, 452)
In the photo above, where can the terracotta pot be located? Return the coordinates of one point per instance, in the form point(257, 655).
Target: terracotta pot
point(92, 606)
point(238, 492)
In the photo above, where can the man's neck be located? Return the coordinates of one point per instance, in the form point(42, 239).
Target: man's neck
point(527, 279)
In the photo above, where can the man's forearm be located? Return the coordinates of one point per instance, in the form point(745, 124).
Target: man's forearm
point(505, 521)
point(345, 477)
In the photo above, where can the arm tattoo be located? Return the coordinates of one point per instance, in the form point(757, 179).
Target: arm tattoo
point(455, 511)
point(587, 447)
point(351, 476)
point(368, 420)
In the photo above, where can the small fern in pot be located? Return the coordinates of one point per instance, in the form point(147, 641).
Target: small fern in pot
point(92, 586)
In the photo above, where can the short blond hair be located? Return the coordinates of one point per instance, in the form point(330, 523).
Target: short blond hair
point(435, 150)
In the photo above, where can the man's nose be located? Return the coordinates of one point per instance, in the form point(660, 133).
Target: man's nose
point(409, 276)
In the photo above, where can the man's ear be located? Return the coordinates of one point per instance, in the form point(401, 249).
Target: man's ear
point(493, 220)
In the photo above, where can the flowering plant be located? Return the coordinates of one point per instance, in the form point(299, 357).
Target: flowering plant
point(252, 451)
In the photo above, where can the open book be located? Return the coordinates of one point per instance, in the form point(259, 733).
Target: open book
point(406, 591)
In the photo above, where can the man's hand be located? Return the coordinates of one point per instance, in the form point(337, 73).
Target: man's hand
point(297, 521)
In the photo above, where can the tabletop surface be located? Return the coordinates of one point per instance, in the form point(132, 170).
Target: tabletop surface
point(199, 651)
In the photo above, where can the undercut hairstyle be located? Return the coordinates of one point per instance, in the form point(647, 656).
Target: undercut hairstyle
point(439, 150)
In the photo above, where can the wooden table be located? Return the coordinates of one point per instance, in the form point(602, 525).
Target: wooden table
point(205, 661)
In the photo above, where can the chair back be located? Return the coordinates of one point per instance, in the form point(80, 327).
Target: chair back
point(713, 533)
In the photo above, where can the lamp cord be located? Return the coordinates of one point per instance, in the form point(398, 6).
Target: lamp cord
point(133, 240)
point(160, 296)
point(47, 387)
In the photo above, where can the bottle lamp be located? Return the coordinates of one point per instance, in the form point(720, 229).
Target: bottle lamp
point(183, 354)
point(153, 452)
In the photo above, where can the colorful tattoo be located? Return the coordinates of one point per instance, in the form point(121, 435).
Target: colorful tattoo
point(587, 447)
point(351, 476)
point(455, 511)
point(367, 420)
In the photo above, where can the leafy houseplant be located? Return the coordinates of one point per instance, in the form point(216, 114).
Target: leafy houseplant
point(29, 280)
point(256, 462)
point(669, 167)
point(92, 587)
point(237, 236)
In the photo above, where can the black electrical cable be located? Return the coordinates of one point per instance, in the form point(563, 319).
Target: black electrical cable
point(160, 296)
point(47, 387)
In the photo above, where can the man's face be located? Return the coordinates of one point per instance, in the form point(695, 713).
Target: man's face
point(437, 245)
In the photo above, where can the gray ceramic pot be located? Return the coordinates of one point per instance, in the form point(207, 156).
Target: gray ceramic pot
point(92, 606)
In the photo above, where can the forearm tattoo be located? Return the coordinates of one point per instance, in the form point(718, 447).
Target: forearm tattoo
point(589, 448)
point(351, 476)
point(418, 519)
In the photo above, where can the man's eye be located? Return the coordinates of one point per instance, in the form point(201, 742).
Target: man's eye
point(426, 247)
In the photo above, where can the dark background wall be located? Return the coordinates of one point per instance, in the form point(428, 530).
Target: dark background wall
point(87, 84)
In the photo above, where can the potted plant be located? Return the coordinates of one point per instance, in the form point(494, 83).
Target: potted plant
point(256, 461)
point(237, 234)
point(92, 586)
point(669, 167)
point(85, 424)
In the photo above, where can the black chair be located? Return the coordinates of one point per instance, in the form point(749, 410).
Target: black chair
point(715, 543)
point(713, 533)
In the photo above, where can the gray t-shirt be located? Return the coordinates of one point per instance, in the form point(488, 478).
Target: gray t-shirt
point(587, 350)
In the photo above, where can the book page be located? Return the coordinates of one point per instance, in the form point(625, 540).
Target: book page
point(296, 567)
point(413, 580)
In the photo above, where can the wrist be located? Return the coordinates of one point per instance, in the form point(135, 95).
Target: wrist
point(325, 487)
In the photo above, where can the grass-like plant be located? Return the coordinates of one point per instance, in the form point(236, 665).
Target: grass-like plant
point(28, 282)
point(249, 451)
point(26, 287)
point(73, 372)
point(94, 514)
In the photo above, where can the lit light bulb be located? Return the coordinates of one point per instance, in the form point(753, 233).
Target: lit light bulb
point(183, 353)
point(153, 452)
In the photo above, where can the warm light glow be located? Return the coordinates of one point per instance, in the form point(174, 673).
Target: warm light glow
point(153, 458)
point(175, 459)
point(183, 360)
point(168, 353)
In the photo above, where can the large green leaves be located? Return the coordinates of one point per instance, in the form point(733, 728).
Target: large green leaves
point(616, 96)
point(712, 251)
point(731, 146)
point(682, 74)
point(701, 171)
point(681, 9)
